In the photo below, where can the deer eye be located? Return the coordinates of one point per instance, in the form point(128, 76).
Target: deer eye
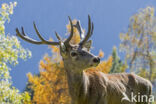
point(73, 54)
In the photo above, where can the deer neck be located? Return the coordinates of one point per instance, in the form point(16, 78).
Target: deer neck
point(77, 82)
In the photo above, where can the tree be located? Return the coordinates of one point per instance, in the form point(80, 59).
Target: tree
point(11, 50)
point(50, 86)
point(139, 43)
point(117, 64)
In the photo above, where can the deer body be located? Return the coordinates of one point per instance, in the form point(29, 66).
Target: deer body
point(99, 88)
point(92, 87)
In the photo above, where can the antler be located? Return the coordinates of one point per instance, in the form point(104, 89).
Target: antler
point(71, 33)
point(30, 40)
point(90, 31)
point(66, 42)
point(79, 28)
point(23, 36)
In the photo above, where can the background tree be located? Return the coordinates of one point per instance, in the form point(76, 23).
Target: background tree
point(117, 64)
point(50, 86)
point(10, 51)
point(139, 44)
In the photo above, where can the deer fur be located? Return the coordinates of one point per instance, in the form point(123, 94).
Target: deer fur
point(98, 88)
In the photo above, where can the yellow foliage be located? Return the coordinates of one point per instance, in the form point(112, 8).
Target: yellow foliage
point(104, 66)
point(50, 86)
point(101, 54)
point(143, 73)
point(10, 7)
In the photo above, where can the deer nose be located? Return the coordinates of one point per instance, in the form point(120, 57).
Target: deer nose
point(96, 60)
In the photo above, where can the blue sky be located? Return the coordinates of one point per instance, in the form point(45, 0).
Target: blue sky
point(110, 17)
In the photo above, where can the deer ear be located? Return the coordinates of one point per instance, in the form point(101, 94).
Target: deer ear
point(88, 45)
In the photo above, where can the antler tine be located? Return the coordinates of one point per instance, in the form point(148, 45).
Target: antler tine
point(42, 39)
point(71, 33)
point(30, 40)
point(90, 31)
point(92, 28)
point(57, 36)
point(37, 32)
point(24, 37)
point(79, 28)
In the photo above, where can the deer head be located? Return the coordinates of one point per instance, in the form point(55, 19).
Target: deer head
point(77, 56)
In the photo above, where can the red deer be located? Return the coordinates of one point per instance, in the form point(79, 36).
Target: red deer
point(92, 87)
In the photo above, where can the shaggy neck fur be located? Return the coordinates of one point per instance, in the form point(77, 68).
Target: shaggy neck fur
point(78, 83)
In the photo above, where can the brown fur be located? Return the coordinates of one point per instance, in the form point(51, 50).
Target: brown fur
point(109, 88)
